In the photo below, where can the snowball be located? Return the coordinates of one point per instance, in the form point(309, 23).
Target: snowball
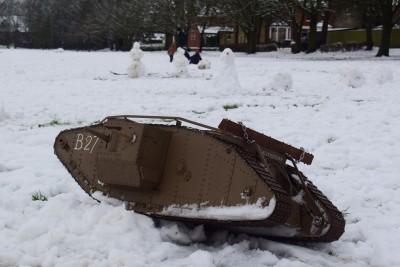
point(351, 76)
point(281, 81)
point(382, 74)
point(204, 64)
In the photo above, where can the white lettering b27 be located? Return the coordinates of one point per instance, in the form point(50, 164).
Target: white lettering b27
point(87, 143)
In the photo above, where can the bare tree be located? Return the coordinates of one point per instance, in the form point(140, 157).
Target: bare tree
point(247, 15)
point(175, 17)
point(38, 19)
point(389, 14)
point(366, 11)
point(287, 11)
point(314, 9)
point(326, 15)
point(88, 23)
point(115, 22)
point(10, 21)
point(166, 16)
point(206, 11)
point(72, 24)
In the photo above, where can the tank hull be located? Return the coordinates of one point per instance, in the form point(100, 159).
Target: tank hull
point(205, 176)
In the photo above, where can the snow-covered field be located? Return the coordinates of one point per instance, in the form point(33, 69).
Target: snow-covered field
point(343, 108)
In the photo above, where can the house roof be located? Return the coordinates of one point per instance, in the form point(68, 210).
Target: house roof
point(319, 26)
point(214, 29)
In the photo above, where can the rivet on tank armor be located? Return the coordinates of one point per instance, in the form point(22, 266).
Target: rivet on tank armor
point(187, 177)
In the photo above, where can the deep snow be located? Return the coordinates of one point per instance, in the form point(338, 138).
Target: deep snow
point(341, 107)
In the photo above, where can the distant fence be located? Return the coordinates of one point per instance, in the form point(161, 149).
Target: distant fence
point(342, 47)
point(358, 36)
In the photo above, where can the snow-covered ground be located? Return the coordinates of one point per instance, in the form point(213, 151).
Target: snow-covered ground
point(343, 108)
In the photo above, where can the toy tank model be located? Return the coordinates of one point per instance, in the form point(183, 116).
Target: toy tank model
point(228, 177)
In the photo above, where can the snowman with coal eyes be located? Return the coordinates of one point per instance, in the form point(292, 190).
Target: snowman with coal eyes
point(136, 68)
point(226, 80)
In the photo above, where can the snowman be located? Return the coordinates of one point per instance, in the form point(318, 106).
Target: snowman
point(136, 69)
point(226, 79)
point(180, 63)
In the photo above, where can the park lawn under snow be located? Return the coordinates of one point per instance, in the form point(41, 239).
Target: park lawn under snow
point(343, 108)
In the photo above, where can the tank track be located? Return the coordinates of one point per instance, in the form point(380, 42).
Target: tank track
point(282, 209)
point(337, 222)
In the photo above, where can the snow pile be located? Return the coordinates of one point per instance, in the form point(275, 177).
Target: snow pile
point(235, 213)
point(3, 114)
point(204, 64)
point(181, 234)
point(200, 258)
point(226, 80)
point(136, 68)
point(382, 75)
point(59, 50)
point(280, 81)
point(351, 76)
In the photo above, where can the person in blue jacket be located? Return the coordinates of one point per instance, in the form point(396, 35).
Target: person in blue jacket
point(195, 59)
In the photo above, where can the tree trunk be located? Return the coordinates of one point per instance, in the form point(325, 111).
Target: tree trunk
point(325, 24)
point(253, 35)
point(236, 36)
point(202, 37)
point(385, 39)
point(296, 48)
point(369, 39)
point(297, 31)
point(251, 42)
point(168, 40)
point(312, 37)
point(387, 15)
point(368, 21)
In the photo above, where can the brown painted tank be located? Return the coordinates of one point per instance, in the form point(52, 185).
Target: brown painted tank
point(228, 177)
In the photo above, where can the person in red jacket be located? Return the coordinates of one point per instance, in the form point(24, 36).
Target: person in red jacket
point(171, 51)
